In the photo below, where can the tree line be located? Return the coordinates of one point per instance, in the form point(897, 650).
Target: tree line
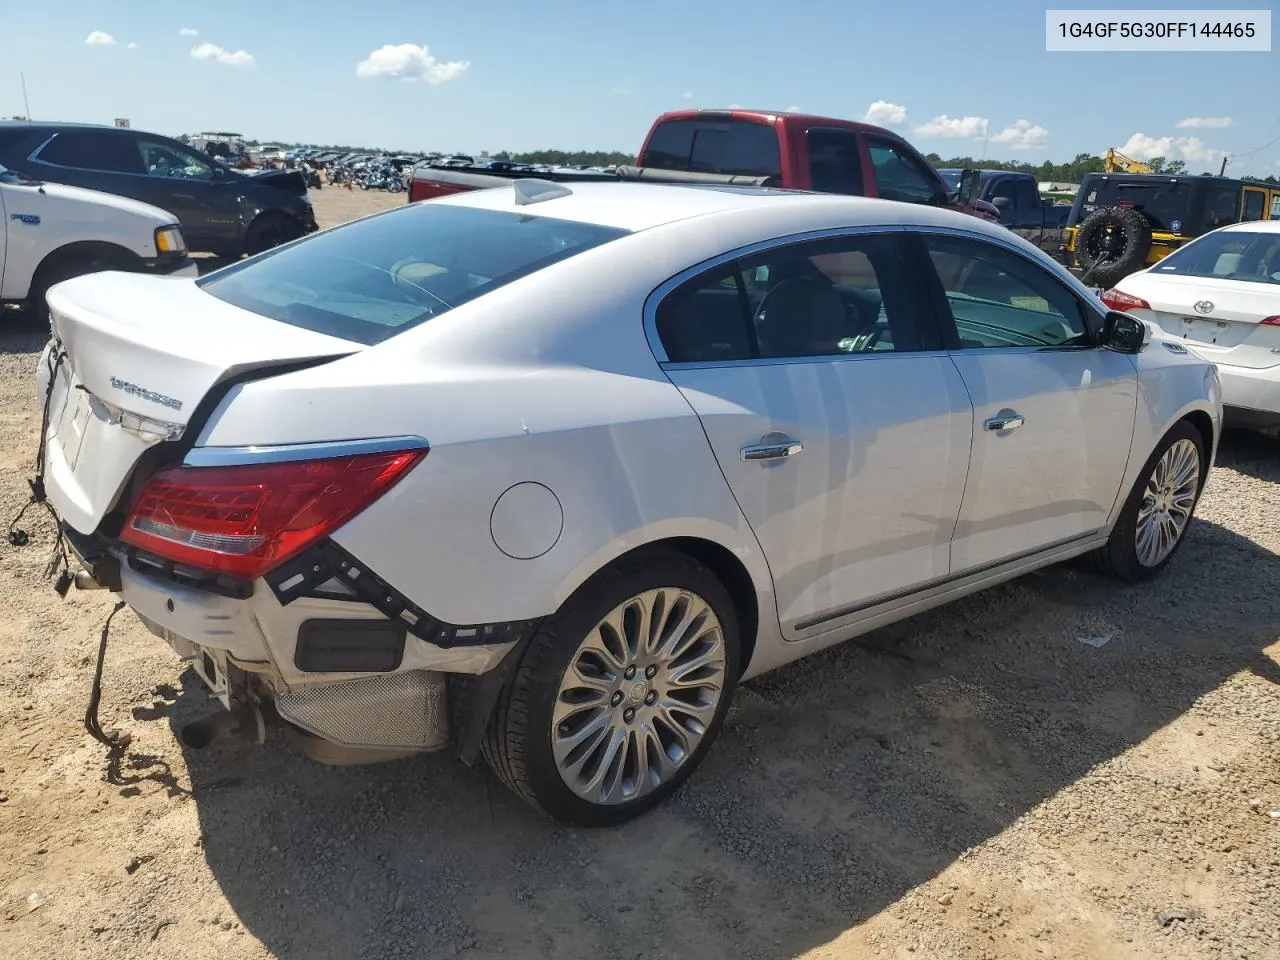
point(1073, 171)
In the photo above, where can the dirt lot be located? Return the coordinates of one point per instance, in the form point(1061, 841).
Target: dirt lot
point(975, 783)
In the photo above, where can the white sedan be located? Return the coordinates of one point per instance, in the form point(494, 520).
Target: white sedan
point(1220, 294)
point(542, 472)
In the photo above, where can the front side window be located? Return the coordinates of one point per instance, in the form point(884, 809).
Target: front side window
point(101, 151)
point(1229, 254)
point(168, 162)
point(371, 279)
point(999, 299)
point(899, 176)
point(737, 147)
point(1255, 205)
point(830, 298)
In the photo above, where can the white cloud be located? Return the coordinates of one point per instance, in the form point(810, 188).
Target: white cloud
point(1023, 135)
point(736, 106)
point(100, 39)
point(794, 109)
point(953, 128)
point(688, 94)
point(188, 32)
point(133, 46)
point(211, 51)
point(1191, 149)
point(410, 61)
point(885, 114)
point(1204, 123)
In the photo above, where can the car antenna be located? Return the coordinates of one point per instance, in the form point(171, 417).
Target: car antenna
point(535, 191)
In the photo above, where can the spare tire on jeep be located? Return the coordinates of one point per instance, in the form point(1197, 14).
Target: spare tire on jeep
point(1111, 244)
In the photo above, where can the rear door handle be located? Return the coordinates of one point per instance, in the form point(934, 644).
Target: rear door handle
point(1005, 420)
point(772, 449)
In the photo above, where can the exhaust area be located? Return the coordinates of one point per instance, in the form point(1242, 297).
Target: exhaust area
point(245, 723)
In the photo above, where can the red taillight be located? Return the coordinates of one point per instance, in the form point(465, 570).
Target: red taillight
point(1271, 321)
point(1118, 300)
point(246, 520)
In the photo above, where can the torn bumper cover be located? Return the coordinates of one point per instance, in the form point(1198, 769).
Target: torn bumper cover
point(341, 654)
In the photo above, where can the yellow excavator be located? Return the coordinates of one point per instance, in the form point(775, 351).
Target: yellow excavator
point(1116, 162)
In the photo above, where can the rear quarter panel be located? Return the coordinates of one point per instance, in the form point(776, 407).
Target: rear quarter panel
point(584, 410)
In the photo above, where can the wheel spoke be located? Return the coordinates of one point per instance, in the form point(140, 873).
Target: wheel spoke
point(1168, 502)
point(639, 696)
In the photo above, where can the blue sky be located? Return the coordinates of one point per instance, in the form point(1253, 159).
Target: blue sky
point(578, 75)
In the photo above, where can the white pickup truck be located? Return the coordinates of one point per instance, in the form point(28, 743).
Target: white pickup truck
point(50, 232)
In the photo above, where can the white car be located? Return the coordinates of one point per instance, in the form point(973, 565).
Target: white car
point(50, 232)
point(1220, 294)
point(545, 471)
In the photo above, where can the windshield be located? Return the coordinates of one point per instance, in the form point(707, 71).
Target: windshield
point(1162, 202)
point(374, 278)
point(1228, 254)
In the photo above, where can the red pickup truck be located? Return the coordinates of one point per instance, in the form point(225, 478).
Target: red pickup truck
point(757, 147)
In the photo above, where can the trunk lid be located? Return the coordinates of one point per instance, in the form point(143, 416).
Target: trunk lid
point(141, 353)
point(1230, 332)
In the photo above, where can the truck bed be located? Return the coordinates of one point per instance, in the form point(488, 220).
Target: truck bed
point(427, 182)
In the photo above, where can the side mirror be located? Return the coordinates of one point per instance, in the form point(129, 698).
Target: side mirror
point(1124, 334)
point(1001, 202)
point(969, 184)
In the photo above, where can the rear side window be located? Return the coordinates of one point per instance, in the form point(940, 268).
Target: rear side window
point(828, 298)
point(736, 147)
point(107, 152)
point(835, 163)
point(374, 278)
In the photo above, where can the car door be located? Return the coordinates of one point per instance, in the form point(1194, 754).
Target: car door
point(1053, 411)
point(840, 424)
point(186, 184)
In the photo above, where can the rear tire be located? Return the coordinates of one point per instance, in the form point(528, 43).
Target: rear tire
point(1168, 484)
point(37, 306)
point(641, 721)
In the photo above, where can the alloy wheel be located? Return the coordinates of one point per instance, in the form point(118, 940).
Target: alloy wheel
point(638, 696)
point(1167, 502)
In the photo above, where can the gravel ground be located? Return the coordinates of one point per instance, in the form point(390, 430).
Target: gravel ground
point(973, 783)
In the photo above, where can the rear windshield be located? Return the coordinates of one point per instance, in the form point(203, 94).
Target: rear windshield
point(374, 278)
point(737, 147)
point(1163, 202)
point(1229, 254)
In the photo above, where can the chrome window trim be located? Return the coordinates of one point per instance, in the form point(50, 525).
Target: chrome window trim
point(664, 289)
point(676, 367)
point(291, 452)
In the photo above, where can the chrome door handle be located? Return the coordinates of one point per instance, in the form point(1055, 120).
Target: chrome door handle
point(1005, 421)
point(772, 450)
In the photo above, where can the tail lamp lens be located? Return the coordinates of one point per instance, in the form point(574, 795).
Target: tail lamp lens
point(246, 520)
point(1118, 300)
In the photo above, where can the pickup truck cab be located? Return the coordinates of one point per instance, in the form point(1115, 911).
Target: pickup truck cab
point(758, 147)
point(50, 232)
point(1021, 208)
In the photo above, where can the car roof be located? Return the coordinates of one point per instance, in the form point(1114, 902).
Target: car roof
point(636, 206)
point(1252, 226)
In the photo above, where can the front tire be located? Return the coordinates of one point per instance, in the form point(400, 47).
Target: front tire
point(620, 695)
point(1155, 518)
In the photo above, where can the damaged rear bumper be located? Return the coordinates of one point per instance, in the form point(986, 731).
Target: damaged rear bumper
point(340, 670)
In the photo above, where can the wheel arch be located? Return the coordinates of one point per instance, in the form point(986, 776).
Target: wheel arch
point(83, 250)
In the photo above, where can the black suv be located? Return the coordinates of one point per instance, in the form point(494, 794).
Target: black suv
point(222, 211)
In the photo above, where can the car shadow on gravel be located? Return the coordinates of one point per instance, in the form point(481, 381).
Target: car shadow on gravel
point(840, 783)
